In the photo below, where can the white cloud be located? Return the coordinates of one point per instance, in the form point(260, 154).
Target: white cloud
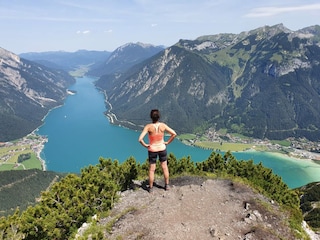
point(108, 31)
point(271, 11)
point(154, 25)
point(83, 32)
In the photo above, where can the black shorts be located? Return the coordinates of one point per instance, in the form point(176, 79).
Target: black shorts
point(153, 156)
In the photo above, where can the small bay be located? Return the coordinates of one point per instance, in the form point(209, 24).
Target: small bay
point(79, 134)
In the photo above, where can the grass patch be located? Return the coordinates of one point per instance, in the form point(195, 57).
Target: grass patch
point(284, 143)
point(9, 158)
point(241, 136)
point(33, 162)
point(5, 150)
point(222, 131)
point(187, 136)
point(12, 153)
point(6, 167)
point(233, 147)
point(95, 231)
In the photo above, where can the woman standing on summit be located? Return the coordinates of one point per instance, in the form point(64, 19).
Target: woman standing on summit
point(157, 146)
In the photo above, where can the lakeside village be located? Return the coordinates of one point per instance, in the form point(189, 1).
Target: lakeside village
point(300, 148)
point(297, 148)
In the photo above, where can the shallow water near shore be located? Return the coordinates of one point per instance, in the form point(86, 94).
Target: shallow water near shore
point(79, 134)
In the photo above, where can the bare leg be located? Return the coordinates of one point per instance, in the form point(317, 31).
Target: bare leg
point(165, 170)
point(152, 168)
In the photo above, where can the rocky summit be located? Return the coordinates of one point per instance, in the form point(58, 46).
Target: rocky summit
point(195, 208)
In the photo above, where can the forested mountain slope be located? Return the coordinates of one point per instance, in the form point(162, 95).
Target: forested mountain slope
point(30, 88)
point(22, 188)
point(263, 83)
point(28, 91)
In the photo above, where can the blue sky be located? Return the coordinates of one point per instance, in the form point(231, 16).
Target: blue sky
point(70, 25)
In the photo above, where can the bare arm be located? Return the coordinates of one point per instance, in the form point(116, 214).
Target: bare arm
point(142, 135)
point(172, 133)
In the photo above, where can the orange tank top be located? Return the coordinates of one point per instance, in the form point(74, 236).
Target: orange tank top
point(156, 140)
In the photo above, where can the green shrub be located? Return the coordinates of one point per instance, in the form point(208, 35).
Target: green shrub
point(76, 198)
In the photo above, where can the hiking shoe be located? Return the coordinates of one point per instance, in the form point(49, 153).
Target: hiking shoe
point(166, 187)
point(150, 190)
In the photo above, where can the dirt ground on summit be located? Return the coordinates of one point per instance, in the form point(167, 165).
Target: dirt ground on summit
point(196, 208)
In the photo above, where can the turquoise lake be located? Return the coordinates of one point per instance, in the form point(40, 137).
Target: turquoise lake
point(79, 134)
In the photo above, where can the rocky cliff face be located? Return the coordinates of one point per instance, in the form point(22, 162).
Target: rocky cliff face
point(263, 83)
point(28, 91)
point(181, 84)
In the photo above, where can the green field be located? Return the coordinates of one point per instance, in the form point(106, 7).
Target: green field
point(9, 158)
point(203, 142)
point(188, 136)
point(233, 147)
point(80, 72)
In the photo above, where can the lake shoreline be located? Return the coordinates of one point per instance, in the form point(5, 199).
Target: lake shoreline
point(99, 133)
point(298, 154)
point(40, 146)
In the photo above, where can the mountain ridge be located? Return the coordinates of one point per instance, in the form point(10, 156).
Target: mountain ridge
point(40, 81)
point(28, 91)
point(265, 84)
point(124, 57)
point(67, 61)
point(260, 83)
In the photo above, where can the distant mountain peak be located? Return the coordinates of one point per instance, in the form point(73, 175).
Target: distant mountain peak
point(308, 32)
point(268, 31)
point(131, 44)
point(9, 58)
point(126, 56)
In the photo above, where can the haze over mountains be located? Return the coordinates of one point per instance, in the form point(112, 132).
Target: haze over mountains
point(263, 83)
point(67, 61)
